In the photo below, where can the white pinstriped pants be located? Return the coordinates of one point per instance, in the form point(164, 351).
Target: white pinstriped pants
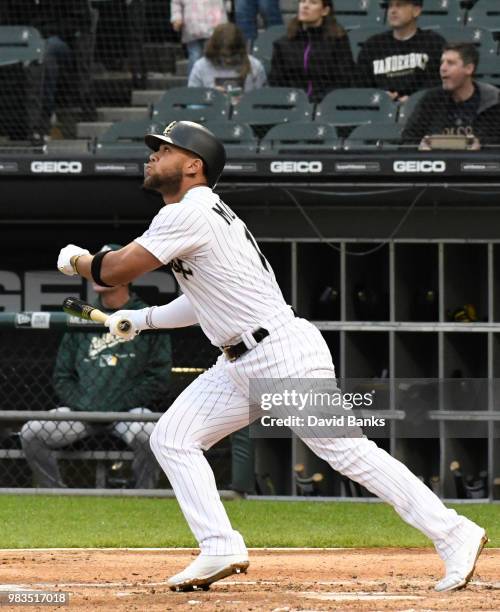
point(216, 404)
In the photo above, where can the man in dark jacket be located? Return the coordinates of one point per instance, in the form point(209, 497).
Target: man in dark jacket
point(315, 54)
point(97, 372)
point(461, 106)
point(66, 26)
point(404, 59)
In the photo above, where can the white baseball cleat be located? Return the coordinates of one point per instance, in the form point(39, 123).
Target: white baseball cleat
point(460, 566)
point(206, 569)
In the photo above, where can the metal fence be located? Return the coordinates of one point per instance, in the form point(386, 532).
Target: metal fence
point(77, 407)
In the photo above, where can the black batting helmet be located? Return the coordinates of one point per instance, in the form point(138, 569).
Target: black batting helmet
point(197, 139)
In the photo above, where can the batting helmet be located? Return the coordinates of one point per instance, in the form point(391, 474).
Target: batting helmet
point(197, 139)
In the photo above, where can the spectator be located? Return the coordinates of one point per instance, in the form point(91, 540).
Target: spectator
point(245, 14)
point(315, 54)
point(97, 372)
point(196, 20)
point(461, 106)
point(227, 65)
point(402, 60)
point(66, 25)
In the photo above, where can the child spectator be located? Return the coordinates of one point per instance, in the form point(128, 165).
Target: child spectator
point(196, 20)
point(227, 65)
point(315, 54)
point(402, 60)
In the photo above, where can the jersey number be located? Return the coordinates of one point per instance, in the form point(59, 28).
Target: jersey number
point(251, 239)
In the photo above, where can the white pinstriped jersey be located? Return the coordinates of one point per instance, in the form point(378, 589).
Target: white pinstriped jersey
point(217, 264)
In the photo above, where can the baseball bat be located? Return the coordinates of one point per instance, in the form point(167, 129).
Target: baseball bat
point(78, 308)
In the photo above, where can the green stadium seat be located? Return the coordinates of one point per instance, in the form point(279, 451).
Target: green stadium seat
point(441, 14)
point(238, 138)
point(302, 136)
point(483, 39)
point(374, 136)
point(198, 104)
point(354, 14)
point(357, 38)
point(20, 44)
point(263, 45)
point(126, 138)
point(485, 14)
point(406, 109)
point(273, 105)
point(356, 106)
point(488, 70)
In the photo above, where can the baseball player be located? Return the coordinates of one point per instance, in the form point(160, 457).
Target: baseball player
point(230, 289)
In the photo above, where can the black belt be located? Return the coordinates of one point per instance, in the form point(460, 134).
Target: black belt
point(237, 350)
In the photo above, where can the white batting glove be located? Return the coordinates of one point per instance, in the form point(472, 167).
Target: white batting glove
point(64, 259)
point(137, 320)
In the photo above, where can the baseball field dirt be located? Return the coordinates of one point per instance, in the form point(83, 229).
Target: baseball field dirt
point(280, 580)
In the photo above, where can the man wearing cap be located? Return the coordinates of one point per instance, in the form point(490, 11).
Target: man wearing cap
point(230, 289)
point(96, 371)
point(404, 59)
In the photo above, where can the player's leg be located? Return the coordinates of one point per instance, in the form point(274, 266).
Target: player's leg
point(40, 438)
point(208, 410)
point(136, 434)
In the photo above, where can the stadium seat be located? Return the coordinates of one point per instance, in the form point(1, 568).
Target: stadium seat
point(126, 138)
point(374, 136)
point(357, 38)
point(356, 107)
point(263, 46)
point(238, 138)
point(198, 104)
point(302, 136)
point(488, 70)
point(441, 13)
point(406, 109)
point(485, 14)
point(353, 14)
point(20, 44)
point(483, 39)
point(273, 105)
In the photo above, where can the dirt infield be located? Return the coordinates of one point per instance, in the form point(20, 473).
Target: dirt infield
point(279, 580)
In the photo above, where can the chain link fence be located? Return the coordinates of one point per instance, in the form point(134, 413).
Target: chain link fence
point(77, 406)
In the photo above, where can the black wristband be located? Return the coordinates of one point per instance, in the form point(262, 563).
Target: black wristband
point(95, 268)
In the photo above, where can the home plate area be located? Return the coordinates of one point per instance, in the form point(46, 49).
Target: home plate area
point(277, 580)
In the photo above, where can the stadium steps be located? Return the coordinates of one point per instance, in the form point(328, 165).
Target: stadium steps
point(122, 113)
point(92, 130)
point(143, 97)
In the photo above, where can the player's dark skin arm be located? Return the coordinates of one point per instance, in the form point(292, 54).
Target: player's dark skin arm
point(120, 267)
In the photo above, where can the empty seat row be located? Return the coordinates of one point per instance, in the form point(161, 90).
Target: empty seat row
point(126, 138)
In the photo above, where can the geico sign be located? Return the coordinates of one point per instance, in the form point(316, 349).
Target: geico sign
point(56, 167)
point(420, 166)
point(304, 167)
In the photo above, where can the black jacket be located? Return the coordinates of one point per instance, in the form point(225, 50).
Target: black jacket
point(330, 63)
point(403, 66)
point(64, 18)
point(434, 115)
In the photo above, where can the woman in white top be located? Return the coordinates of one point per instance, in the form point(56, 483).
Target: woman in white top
point(227, 66)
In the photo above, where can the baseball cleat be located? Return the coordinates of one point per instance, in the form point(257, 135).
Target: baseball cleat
point(206, 569)
point(460, 566)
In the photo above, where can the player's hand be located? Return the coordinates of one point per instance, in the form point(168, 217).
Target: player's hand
point(177, 25)
point(137, 320)
point(64, 264)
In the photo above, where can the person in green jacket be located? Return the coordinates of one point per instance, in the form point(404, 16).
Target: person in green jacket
point(98, 372)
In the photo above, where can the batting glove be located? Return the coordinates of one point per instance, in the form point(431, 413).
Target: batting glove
point(64, 259)
point(137, 320)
